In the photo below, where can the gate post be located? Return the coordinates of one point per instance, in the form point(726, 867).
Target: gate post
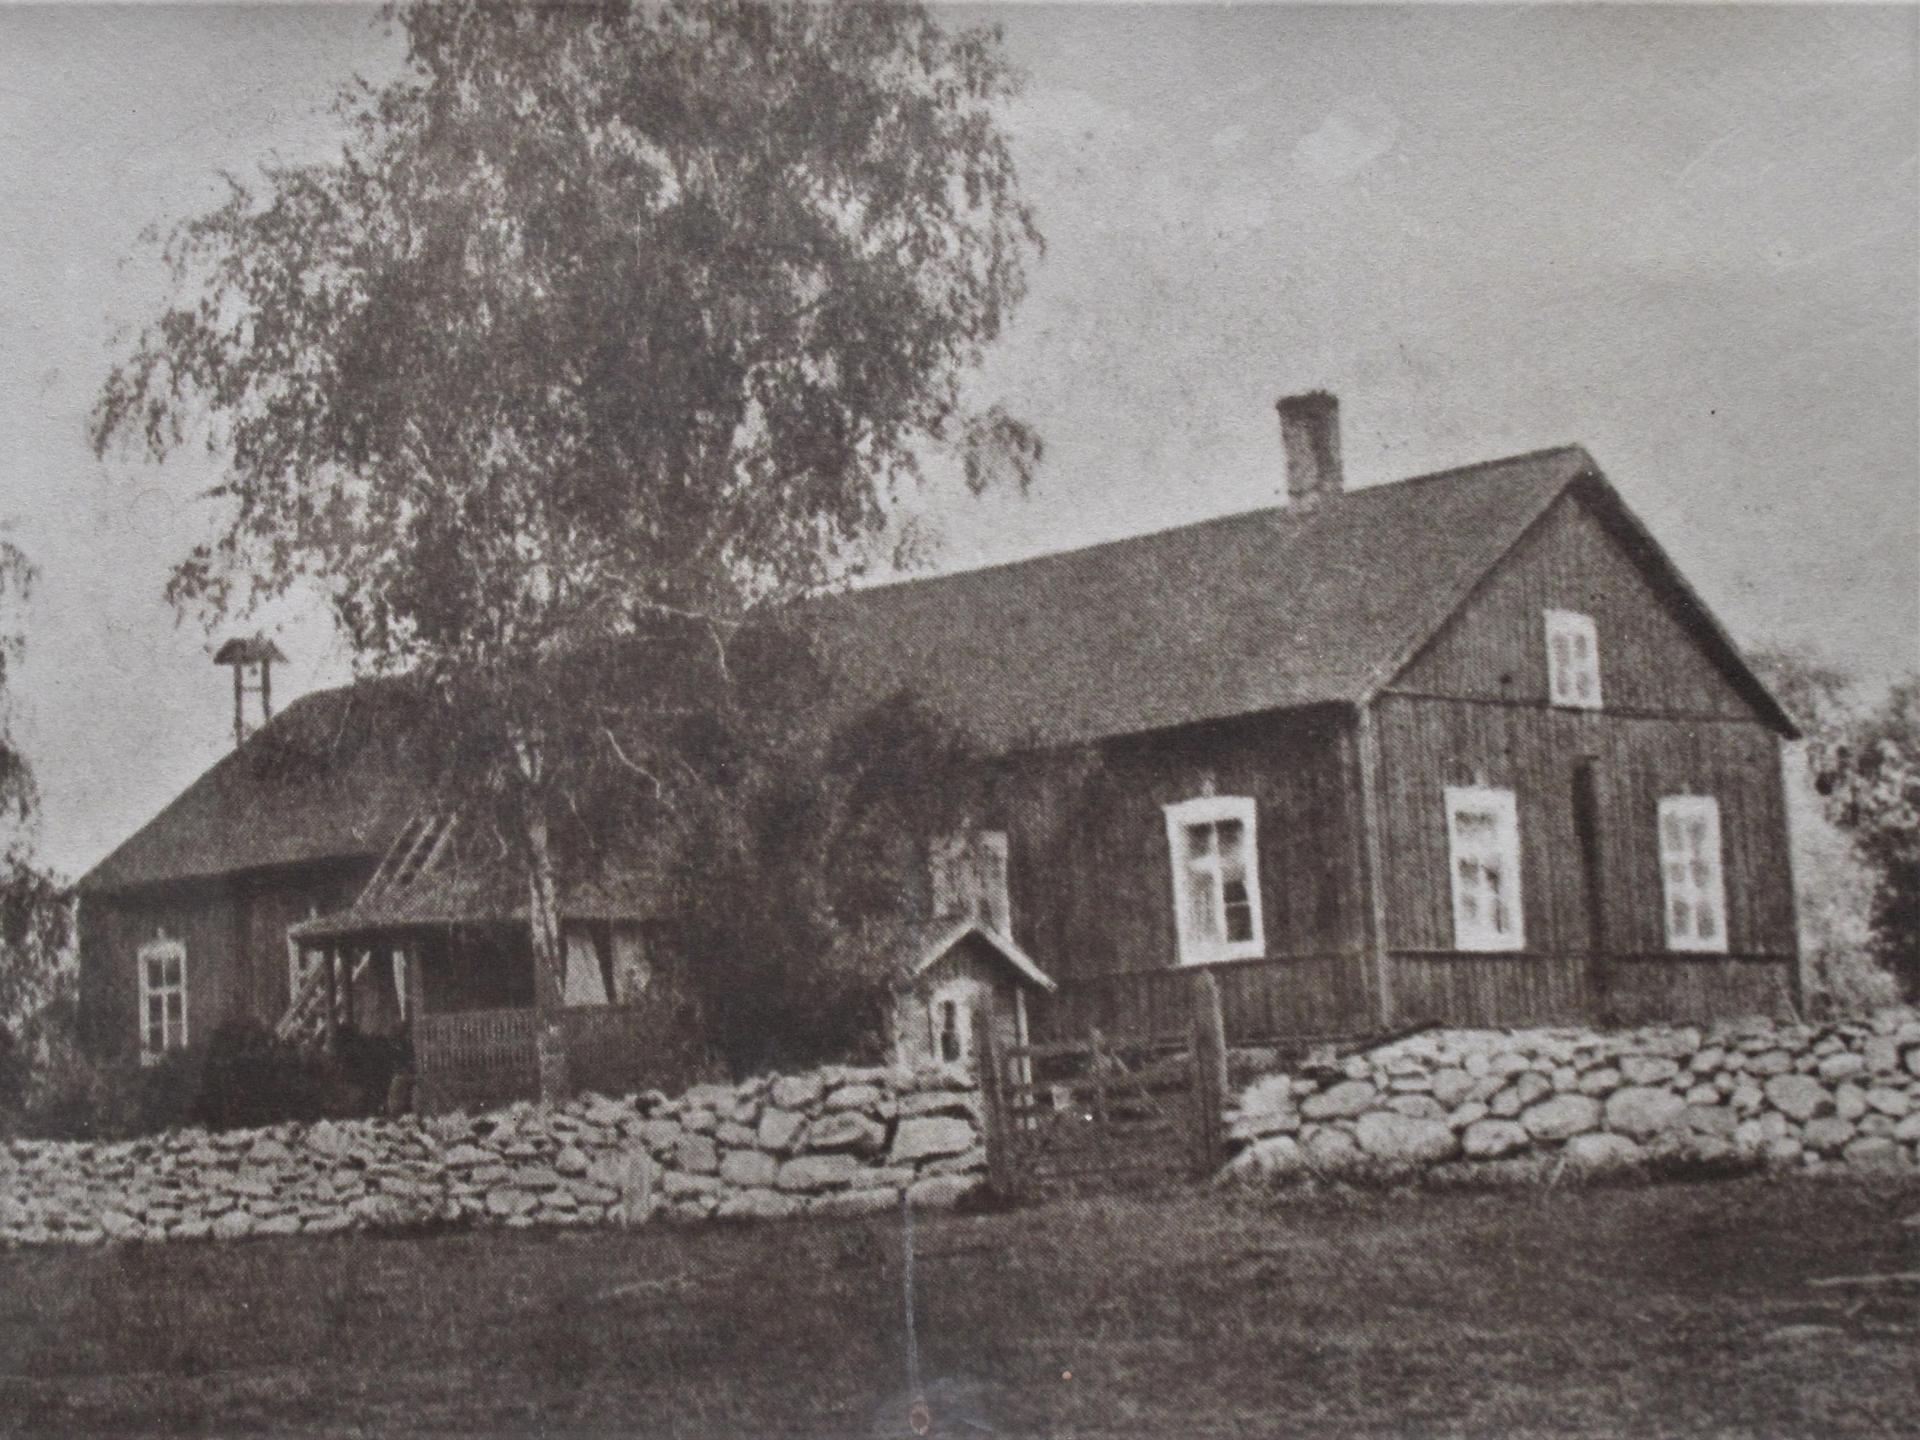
point(990, 1069)
point(1209, 1073)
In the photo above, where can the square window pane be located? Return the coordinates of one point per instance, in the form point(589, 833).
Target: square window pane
point(1239, 922)
point(1203, 912)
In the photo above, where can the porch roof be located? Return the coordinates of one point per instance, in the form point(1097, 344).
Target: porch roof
point(479, 895)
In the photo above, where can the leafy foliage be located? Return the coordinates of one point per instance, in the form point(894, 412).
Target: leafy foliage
point(36, 917)
point(609, 325)
point(803, 872)
point(240, 1077)
point(1870, 776)
point(1865, 764)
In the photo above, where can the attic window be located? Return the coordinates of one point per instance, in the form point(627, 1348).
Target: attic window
point(1692, 878)
point(1216, 879)
point(1483, 850)
point(969, 875)
point(163, 997)
point(1573, 660)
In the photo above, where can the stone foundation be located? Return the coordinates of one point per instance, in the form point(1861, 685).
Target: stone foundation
point(1523, 1104)
point(836, 1141)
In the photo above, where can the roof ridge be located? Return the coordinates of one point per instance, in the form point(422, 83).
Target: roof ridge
point(1276, 512)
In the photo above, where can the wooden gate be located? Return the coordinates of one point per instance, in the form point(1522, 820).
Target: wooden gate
point(1105, 1111)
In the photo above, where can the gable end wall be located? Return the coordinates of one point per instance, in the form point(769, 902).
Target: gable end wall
point(1494, 648)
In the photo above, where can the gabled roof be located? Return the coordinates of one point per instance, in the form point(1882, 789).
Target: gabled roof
point(927, 945)
point(1266, 610)
point(326, 778)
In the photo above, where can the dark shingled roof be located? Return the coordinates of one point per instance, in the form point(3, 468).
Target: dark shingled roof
point(1266, 610)
point(326, 778)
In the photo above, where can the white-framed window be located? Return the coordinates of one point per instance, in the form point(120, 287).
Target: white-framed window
point(1692, 880)
point(950, 1022)
point(969, 874)
point(163, 997)
point(1573, 660)
point(1483, 854)
point(1216, 879)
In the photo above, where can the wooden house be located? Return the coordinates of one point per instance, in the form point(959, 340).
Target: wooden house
point(1463, 749)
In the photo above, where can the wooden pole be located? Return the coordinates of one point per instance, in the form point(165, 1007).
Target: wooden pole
point(990, 1069)
point(1209, 1073)
point(1373, 858)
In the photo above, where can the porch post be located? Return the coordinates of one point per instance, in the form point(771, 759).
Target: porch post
point(330, 962)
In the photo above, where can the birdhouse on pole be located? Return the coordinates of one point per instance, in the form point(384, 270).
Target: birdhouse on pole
point(252, 658)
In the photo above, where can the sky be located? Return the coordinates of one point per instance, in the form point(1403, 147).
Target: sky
point(1688, 239)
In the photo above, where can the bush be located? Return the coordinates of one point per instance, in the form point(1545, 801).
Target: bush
point(242, 1077)
point(1844, 980)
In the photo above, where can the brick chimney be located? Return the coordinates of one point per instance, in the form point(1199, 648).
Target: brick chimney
point(1310, 434)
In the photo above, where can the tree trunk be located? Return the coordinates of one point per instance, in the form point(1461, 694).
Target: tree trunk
point(549, 959)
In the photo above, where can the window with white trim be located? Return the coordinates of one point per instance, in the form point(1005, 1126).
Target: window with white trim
point(1483, 853)
point(1693, 882)
point(969, 874)
point(1573, 660)
point(1216, 879)
point(163, 997)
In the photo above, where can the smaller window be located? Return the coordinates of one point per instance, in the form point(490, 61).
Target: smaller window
point(1693, 883)
point(163, 997)
point(1483, 849)
point(950, 1017)
point(1216, 879)
point(1573, 660)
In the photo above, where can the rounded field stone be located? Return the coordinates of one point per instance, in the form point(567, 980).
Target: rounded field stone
point(1562, 1117)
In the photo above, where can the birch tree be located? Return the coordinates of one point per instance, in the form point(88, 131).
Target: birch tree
point(608, 324)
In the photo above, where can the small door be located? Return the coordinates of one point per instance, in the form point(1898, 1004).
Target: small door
point(1586, 829)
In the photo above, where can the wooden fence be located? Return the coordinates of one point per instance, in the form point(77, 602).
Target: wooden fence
point(475, 1059)
point(1286, 998)
point(1102, 1111)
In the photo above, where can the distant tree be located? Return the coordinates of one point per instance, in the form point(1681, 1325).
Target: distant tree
point(35, 909)
point(1864, 763)
point(609, 324)
point(1870, 776)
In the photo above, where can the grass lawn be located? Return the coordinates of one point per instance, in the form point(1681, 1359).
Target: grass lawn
point(1676, 1310)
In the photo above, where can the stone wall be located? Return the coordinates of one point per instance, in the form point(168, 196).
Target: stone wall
point(834, 1141)
point(1520, 1104)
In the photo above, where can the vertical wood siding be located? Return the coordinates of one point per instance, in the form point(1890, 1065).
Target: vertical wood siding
point(234, 929)
point(1494, 648)
point(1535, 751)
point(1091, 878)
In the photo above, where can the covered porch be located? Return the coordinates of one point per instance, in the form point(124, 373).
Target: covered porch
point(443, 951)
